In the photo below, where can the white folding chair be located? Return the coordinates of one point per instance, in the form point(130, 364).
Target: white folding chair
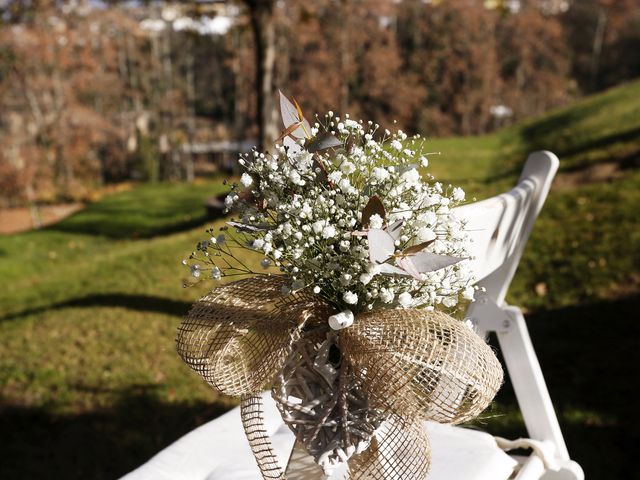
point(499, 227)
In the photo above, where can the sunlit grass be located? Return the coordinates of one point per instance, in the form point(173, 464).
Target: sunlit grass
point(89, 307)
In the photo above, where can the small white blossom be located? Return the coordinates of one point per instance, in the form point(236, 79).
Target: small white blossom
point(387, 295)
point(347, 167)
point(405, 299)
point(375, 221)
point(265, 263)
point(365, 278)
point(449, 301)
point(425, 234)
point(216, 274)
point(195, 271)
point(335, 176)
point(380, 174)
point(468, 293)
point(350, 298)
point(246, 180)
point(458, 194)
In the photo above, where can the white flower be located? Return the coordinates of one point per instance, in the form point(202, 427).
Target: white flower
point(352, 124)
point(468, 293)
point(341, 320)
point(216, 274)
point(310, 224)
point(350, 298)
point(375, 221)
point(345, 185)
point(449, 302)
point(318, 226)
point(458, 194)
point(345, 279)
point(230, 200)
point(428, 218)
point(335, 176)
point(387, 295)
point(295, 178)
point(347, 167)
point(425, 234)
point(380, 174)
point(195, 271)
point(365, 278)
point(246, 180)
point(405, 299)
point(221, 239)
point(410, 177)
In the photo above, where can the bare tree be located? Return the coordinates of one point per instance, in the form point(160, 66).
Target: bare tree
point(262, 14)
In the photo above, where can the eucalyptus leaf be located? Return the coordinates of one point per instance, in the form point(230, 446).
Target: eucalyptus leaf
point(373, 206)
point(322, 142)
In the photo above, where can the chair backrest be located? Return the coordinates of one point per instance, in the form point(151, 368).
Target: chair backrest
point(499, 227)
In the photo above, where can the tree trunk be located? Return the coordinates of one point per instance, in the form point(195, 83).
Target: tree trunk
point(598, 41)
point(344, 57)
point(264, 35)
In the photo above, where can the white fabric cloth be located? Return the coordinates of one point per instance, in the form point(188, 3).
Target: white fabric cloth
point(218, 450)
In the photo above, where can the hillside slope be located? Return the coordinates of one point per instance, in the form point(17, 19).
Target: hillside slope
point(601, 129)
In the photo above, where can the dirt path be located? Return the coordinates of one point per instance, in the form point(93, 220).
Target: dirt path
point(14, 220)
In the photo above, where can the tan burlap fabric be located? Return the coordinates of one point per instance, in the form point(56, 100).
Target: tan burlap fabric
point(412, 365)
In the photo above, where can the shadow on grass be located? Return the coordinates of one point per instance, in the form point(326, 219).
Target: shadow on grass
point(589, 355)
point(118, 230)
point(591, 361)
point(102, 444)
point(141, 303)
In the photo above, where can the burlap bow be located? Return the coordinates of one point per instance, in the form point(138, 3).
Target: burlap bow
point(395, 369)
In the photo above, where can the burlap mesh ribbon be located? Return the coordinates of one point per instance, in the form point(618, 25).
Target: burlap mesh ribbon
point(410, 365)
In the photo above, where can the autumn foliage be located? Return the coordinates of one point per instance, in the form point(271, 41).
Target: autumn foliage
point(88, 96)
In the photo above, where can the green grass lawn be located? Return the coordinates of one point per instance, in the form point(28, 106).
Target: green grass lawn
point(90, 385)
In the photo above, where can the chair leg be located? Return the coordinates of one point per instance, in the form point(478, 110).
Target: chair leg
point(570, 470)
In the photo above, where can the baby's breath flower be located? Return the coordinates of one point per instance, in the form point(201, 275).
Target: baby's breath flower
point(246, 180)
point(216, 274)
point(305, 225)
point(405, 299)
point(350, 298)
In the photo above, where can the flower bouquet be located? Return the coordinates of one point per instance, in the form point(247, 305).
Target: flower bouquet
point(346, 318)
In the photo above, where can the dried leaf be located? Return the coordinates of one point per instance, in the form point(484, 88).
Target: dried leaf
point(381, 246)
point(430, 262)
point(373, 206)
point(305, 125)
point(417, 248)
point(288, 111)
point(322, 142)
point(288, 131)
